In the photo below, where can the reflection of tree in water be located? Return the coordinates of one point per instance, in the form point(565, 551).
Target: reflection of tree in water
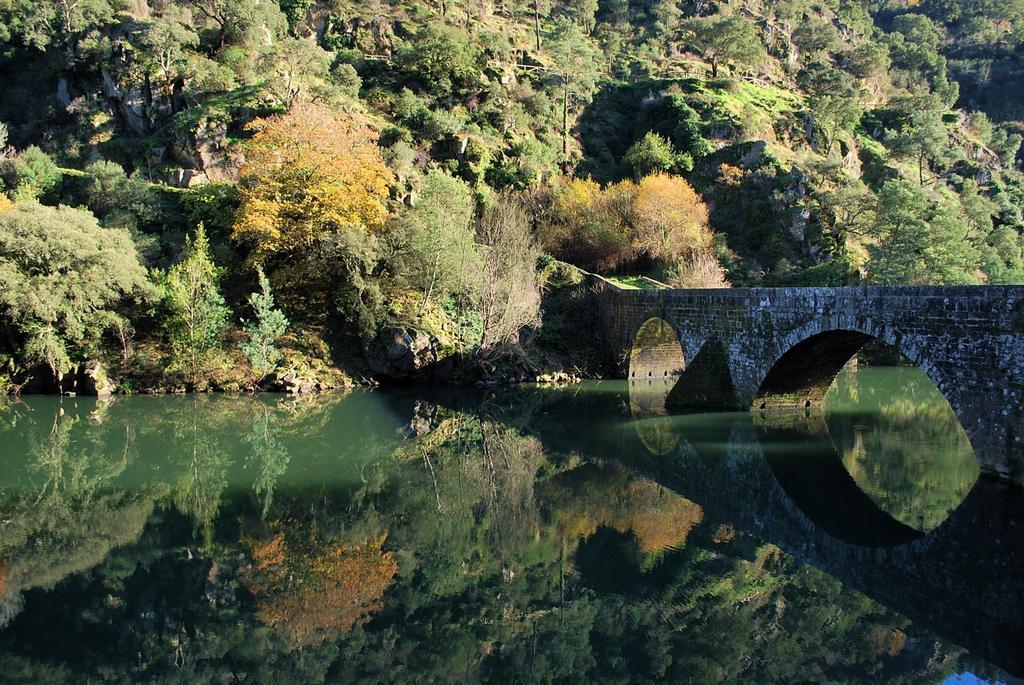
point(318, 592)
point(462, 554)
point(591, 496)
point(69, 513)
point(902, 442)
point(269, 457)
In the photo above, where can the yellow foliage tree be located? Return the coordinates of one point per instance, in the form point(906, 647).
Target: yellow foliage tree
point(5, 203)
point(671, 220)
point(590, 225)
point(308, 174)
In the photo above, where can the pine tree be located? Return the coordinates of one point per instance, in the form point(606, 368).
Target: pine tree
point(198, 312)
point(261, 333)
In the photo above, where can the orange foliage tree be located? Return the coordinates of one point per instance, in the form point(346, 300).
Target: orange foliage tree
point(671, 218)
point(308, 174)
point(314, 594)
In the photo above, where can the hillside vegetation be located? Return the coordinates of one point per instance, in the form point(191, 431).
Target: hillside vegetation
point(257, 193)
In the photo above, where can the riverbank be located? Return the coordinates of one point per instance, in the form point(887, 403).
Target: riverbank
point(560, 349)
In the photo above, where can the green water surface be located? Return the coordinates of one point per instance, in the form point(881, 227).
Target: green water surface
point(519, 536)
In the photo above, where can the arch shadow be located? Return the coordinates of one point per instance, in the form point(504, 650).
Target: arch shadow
point(800, 378)
point(707, 382)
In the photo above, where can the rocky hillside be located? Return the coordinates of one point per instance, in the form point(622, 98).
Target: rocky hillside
point(703, 143)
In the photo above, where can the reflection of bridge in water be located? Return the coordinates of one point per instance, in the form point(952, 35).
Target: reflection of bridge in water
point(961, 580)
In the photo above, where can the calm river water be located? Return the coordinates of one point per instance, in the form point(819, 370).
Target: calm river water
point(518, 536)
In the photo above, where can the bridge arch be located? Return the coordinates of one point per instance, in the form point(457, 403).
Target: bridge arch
point(656, 352)
point(799, 379)
point(656, 360)
point(810, 358)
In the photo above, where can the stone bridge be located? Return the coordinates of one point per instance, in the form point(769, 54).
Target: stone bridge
point(778, 349)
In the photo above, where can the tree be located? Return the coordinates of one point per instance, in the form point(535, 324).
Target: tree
point(832, 99)
point(920, 242)
point(507, 294)
point(301, 70)
point(61, 276)
point(653, 153)
point(924, 137)
point(868, 60)
point(263, 332)
point(308, 174)
point(165, 44)
point(30, 175)
point(902, 231)
point(728, 40)
point(590, 226)
point(576, 65)
point(440, 233)
point(234, 20)
point(63, 23)
point(816, 36)
point(671, 219)
point(118, 200)
point(444, 60)
point(198, 314)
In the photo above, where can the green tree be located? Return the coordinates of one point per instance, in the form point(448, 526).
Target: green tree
point(816, 36)
point(728, 40)
point(577, 69)
point(924, 138)
point(299, 70)
point(119, 200)
point(868, 60)
point(198, 314)
point(1004, 256)
point(165, 44)
point(62, 23)
point(903, 235)
point(652, 154)
point(443, 59)
point(233, 21)
point(61, 278)
point(832, 99)
point(263, 332)
point(440, 235)
point(920, 242)
point(30, 174)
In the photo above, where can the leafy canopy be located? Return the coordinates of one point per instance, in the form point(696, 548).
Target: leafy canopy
point(308, 174)
point(61, 277)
